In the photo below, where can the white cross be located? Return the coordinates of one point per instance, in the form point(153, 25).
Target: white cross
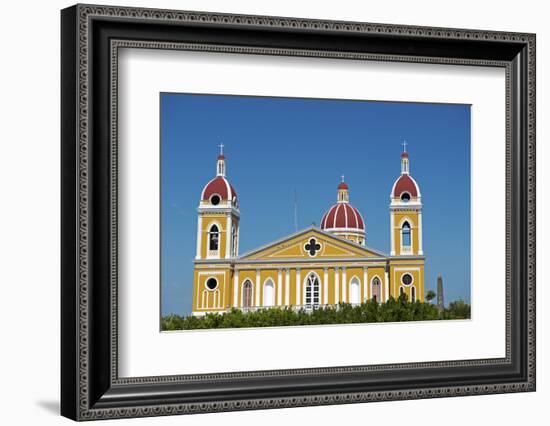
point(342, 178)
point(404, 145)
point(221, 148)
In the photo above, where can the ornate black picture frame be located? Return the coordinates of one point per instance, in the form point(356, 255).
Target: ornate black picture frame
point(91, 387)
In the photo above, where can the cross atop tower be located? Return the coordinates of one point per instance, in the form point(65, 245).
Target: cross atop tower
point(342, 178)
point(221, 148)
point(404, 145)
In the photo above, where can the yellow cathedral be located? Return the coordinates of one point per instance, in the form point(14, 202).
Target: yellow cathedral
point(312, 268)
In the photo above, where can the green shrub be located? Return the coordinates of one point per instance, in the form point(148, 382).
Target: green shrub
point(370, 311)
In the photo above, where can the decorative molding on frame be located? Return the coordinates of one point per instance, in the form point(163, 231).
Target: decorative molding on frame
point(86, 13)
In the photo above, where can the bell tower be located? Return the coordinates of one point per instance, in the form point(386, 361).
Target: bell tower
point(218, 217)
point(405, 212)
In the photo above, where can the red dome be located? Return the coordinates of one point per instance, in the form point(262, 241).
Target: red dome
point(219, 185)
point(343, 185)
point(405, 183)
point(404, 155)
point(342, 215)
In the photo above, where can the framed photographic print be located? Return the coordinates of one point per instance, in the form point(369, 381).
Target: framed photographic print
point(264, 212)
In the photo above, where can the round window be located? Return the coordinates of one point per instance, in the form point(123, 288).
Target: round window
point(407, 279)
point(211, 283)
point(405, 197)
point(215, 199)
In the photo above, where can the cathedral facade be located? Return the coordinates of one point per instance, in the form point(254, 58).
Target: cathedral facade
point(315, 267)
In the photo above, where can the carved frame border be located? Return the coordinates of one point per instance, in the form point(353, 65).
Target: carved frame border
point(85, 409)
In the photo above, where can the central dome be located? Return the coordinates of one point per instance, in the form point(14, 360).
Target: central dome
point(343, 219)
point(342, 216)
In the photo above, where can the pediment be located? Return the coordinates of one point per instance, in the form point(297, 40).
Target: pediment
point(311, 244)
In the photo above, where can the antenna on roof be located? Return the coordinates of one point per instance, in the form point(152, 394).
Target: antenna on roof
point(295, 211)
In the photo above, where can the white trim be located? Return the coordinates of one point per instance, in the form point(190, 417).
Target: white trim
point(236, 289)
point(279, 301)
point(386, 286)
point(287, 287)
point(199, 237)
point(325, 286)
point(323, 220)
point(298, 300)
point(344, 286)
point(418, 194)
point(257, 287)
point(228, 237)
point(365, 284)
point(346, 214)
point(355, 212)
point(335, 216)
point(420, 249)
point(392, 233)
point(336, 285)
point(228, 187)
point(349, 230)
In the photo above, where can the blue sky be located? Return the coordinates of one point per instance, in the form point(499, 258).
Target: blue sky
point(275, 147)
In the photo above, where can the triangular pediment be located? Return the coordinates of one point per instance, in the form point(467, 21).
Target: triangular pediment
point(311, 243)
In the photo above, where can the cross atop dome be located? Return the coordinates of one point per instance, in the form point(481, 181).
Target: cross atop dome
point(220, 166)
point(343, 192)
point(404, 145)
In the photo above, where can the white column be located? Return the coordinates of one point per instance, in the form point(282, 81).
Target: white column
point(392, 233)
point(257, 289)
point(236, 288)
point(228, 237)
point(287, 287)
point(420, 250)
point(298, 287)
point(199, 237)
point(336, 285)
point(344, 286)
point(365, 284)
point(279, 287)
point(325, 287)
point(237, 245)
point(386, 286)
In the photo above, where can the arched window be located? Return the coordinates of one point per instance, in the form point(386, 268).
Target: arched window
point(406, 235)
point(401, 291)
point(213, 238)
point(247, 294)
point(269, 293)
point(354, 296)
point(413, 294)
point(375, 289)
point(312, 291)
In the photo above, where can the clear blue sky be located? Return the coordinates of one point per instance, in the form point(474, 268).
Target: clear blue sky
point(275, 146)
